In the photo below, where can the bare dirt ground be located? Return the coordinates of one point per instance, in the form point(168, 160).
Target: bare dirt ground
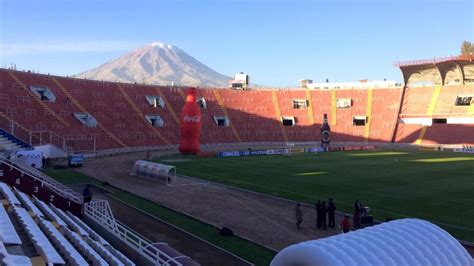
point(159, 232)
point(262, 219)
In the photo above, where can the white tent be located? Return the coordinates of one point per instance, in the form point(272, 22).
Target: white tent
point(51, 151)
point(399, 242)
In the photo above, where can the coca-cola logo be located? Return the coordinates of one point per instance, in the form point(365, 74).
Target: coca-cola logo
point(192, 119)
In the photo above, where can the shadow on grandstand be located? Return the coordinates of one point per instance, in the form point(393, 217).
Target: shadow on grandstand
point(230, 116)
point(248, 127)
point(438, 134)
point(260, 129)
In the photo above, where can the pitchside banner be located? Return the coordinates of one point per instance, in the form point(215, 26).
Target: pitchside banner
point(252, 153)
point(316, 149)
point(32, 158)
point(465, 150)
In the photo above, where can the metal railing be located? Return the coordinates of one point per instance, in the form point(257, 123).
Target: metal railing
point(45, 180)
point(13, 128)
point(100, 212)
point(424, 115)
point(45, 137)
point(109, 152)
point(333, 143)
point(14, 139)
point(432, 61)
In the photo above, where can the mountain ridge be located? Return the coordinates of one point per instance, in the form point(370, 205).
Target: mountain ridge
point(159, 64)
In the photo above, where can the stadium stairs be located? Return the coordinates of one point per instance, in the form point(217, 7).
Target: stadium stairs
point(10, 144)
point(252, 115)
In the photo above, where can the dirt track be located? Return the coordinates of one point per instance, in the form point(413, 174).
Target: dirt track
point(159, 232)
point(262, 219)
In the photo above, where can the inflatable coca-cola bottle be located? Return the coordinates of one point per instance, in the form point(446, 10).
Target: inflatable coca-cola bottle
point(190, 124)
point(325, 132)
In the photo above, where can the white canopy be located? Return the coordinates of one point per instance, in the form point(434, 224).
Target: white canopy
point(399, 242)
point(156, 171)
point(51, 151)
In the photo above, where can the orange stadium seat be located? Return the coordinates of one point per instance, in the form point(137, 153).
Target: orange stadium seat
point(252, 115)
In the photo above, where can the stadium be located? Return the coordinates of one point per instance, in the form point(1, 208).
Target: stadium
point(330, 149)
point(404, 150)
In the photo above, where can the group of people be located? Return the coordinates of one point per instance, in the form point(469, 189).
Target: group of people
point(46, 162)
point(323, 211)
point(326, 213)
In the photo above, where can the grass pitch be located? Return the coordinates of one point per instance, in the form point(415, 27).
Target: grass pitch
point(436, 186)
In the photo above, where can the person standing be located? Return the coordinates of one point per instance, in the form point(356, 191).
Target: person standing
point(87, 194)
point(345, 224)
point(318, 214)
point(331, 213)
point(357, 206)
point(323, 215)
point(299, 215)
point(356, 220)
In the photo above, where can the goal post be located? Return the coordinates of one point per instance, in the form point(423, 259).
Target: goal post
point(289, 147)
point(292, 149)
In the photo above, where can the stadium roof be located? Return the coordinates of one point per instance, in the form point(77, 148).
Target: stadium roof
point(434, 60)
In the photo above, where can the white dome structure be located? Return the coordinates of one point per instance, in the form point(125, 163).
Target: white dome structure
point(399, 242)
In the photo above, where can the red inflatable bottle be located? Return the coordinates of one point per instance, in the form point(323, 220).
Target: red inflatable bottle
point(190, 124)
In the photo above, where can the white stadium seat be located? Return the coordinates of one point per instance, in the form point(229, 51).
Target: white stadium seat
point(28, 203)
point(58, 237)
point(65, 248)
point(85, 249)
point(124, 259)
point(72, 224)
point(49, 213)
point(12, 260)
point(8, 194)
point(8, 234)
point(37, 237)
point(99, 240)
point(16, 260)
point(91, 232)
point(105, 253)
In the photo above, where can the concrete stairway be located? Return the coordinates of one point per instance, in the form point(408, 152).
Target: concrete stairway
point(9, 146)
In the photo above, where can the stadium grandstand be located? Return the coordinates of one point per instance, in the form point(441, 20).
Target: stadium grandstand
point(435, 106)
point(46, 222)
point(240, 133)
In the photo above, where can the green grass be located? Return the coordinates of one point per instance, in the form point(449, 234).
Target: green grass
point(69, 177)
point(241, 247)
point(436, 186)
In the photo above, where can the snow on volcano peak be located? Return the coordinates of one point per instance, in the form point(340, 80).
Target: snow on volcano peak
point(163, 66)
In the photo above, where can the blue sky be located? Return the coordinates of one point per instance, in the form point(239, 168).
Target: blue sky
point(276, 42)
